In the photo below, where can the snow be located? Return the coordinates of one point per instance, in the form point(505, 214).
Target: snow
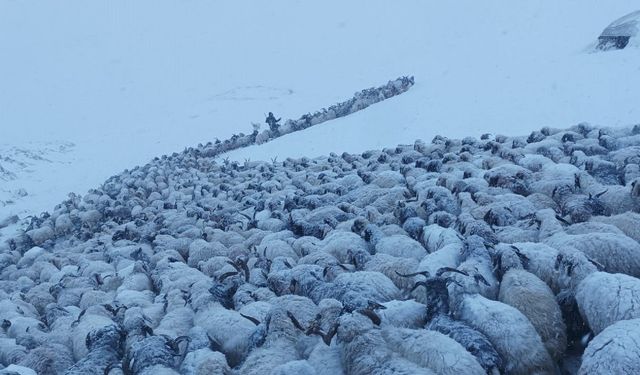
point(92, 88)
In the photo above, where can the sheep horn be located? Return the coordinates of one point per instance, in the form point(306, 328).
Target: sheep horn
point(598, 265)
point(452, 280)
point(442, 270)
point(250, 318)
point(423, 273)
point(214, 345)
point(110, 367)
point(329, 335)
point(479, 278)
point(419, 283)
point(373, 305)
point(245, 269)
point(601, 193)
point(247, 216)
point(375, 318)
point(295, 321)
point(226, 275)
point(234, 265)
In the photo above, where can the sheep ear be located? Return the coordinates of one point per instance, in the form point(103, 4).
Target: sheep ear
point(88, 341)
point(148, 330)
point(375, 318)
point(178, 341)
point(252, 319)
point(598, 265)
point(373, 305)
point(523, 258)
point(295, 321)
point(562, 220)
point(570, 269)
point(480, 279)
point(559, 259)
point(329, 336)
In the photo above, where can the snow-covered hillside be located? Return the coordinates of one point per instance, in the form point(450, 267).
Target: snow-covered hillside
point(126, 81)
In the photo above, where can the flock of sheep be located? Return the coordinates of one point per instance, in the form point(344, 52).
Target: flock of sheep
point(499, 255)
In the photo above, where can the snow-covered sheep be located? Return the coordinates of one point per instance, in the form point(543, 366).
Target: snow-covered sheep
point(628, 223)
point(49, 358)
point(510, 332)
point(104, 348)
point(616, 350)
point(436, 237)
point(617, 253)
point(364, 350)
point(534, 299)
point(279, 345)
point(432, 350)
point(154, 352)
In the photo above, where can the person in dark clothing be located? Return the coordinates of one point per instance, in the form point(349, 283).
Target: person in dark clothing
point(273, 123)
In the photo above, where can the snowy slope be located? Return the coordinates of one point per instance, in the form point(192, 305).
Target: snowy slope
point(117, 83)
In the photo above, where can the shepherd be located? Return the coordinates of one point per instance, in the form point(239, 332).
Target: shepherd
point(273, 123)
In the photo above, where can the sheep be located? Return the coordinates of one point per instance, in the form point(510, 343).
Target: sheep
point(326, 360)
point(364, 350)
point(438, 319)
point(17, 370)
point(48, 359)
point(168, 245)
point(390, 266)
point(400, 246)
point(403, 314)
point(294, 367)
point(278, 348)
point(595, 298)
point(627, 222)
point(436, 237)
point(616, 350)
point(541, 260)
point(228, 328)
point(477, 260)
point(153, 352)
point(88, 323)
point(510, 332)
point(617, 253)
point(10, 351)
point(534, 299)
point(104, 347)
point(432, 350)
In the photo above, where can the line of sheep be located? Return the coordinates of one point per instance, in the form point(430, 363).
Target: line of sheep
point(359, 101)
point(499, 255)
